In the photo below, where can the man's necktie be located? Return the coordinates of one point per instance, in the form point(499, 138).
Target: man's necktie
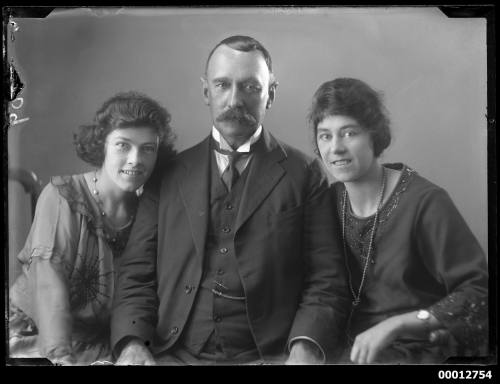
point(231, 174)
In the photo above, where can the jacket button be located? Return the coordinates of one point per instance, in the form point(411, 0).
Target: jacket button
point(226, 229)
point(223, 250)
point(174, 330)
point(188, 289)
point(229, 206)
point(217, 319)
point(220, 271)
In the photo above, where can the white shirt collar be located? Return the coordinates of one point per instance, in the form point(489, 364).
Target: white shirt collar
point(245, 147)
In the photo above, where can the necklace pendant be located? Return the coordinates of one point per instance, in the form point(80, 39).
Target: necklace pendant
point(103, 213)
point(355, 302)
point(95, 192)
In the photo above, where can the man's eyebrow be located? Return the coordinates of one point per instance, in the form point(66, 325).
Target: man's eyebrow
point(220, 78)
point(246, 80)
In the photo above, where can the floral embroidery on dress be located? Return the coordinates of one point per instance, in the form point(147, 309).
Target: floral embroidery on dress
point(75, 198)
point(358, 229)
point(87, 283)
point(87, 280)
point(407, 175)
point(116, 240)
point(466, 317)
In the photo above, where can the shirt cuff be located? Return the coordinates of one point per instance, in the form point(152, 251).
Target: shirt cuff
point(308, 339)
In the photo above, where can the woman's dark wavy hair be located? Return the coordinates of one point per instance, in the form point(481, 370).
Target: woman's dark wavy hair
point(357, 100)
point(124, 110)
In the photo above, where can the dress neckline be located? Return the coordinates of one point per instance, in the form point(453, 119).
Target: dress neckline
point(76, 191)
point(349, 206)
point(97, 208)
point(389, 205)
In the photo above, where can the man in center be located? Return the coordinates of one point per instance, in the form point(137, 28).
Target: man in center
point(233, 257)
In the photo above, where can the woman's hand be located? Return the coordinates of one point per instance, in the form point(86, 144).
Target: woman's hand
point(135, 353)
point(369, 343)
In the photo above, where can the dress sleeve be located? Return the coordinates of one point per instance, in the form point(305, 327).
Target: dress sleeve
point(50, 251)
point(452, 253)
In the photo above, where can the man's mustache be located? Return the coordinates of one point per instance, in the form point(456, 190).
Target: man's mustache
point(238, 114)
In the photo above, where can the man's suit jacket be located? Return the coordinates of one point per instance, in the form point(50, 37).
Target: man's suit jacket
point(285, 242)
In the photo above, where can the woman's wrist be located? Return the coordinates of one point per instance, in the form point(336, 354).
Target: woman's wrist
point(413, 325)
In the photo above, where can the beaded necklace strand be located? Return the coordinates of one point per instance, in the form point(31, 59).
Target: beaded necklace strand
point(369, 255)
point(102, 211)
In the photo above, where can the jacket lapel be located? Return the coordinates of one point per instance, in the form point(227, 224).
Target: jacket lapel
point(264, 173)
point(194, 191)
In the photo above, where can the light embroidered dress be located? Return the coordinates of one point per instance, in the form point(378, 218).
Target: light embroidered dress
point(60, 305)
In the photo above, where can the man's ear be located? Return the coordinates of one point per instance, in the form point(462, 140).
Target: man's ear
point(204, 83)
point(272, 94)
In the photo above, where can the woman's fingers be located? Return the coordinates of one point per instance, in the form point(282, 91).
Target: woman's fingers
point(359, 351)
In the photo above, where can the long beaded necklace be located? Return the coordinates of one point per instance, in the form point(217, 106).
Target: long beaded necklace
point(95, 192)
point(357, 296)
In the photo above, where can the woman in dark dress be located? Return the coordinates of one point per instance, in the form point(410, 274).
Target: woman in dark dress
point(415, 268)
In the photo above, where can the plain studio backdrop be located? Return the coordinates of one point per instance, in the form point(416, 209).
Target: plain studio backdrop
point(431, 69)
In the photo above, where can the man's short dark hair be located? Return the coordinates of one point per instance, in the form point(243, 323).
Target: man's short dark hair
point(243, 44)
